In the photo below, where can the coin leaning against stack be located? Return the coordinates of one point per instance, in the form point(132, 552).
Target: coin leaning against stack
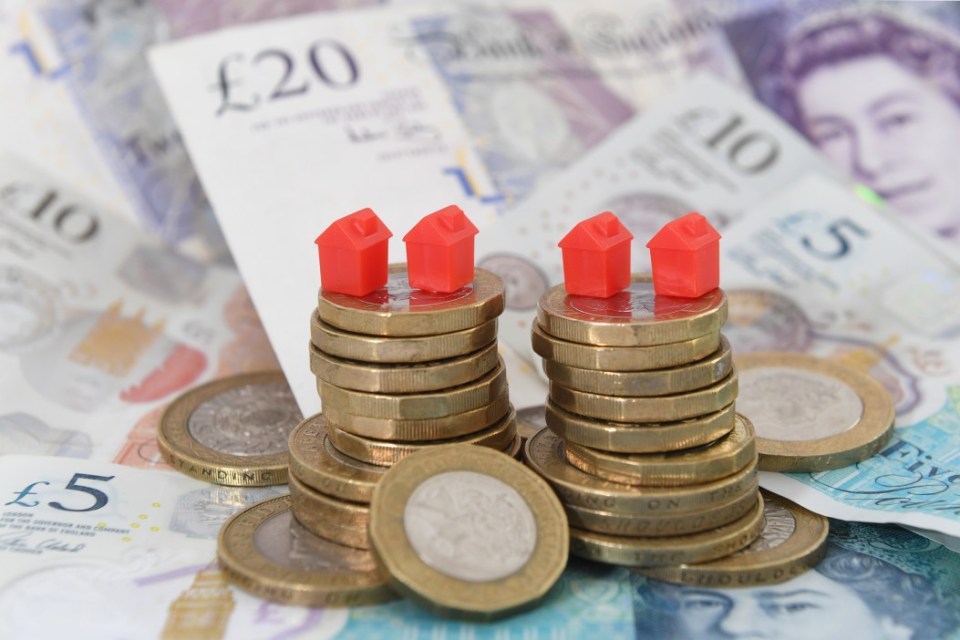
point(644, 447)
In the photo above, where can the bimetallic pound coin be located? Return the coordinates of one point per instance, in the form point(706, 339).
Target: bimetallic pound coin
point(634, 317)
point(469, 530)
point(328, 517)
point(266, 552)
point(792, 541)
point(233, 431)
point(397, 309)
point(315, 462)
point(812, 414)
point(531, 421)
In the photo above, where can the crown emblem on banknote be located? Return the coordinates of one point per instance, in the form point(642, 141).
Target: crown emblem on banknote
point(115, 343)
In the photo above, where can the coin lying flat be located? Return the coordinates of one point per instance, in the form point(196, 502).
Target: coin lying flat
point(544, 454)
point(316, 463)
point(396, 309)
point(673, 550)
point(469, 530)
point(689, 466)
point(585, 356)
point(639, 438)
point(266, 552)
point(812, 414)
point(365, 348)
point(633, 317)
point(655, 382)
point(328, 517)
point(231, 431)
point(792, 541)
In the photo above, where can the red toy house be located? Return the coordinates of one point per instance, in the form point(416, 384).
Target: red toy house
point(353, 254)
point(685, 255)
point(596, 257)
point(440, 251)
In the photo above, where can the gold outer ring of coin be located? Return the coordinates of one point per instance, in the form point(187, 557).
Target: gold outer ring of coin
point(867, 437)
point(544, 454)
point(241, 560)
point(673, 550)
point(431, 314)
point(187, 455)
point(521, 589)
point(641, 438)
point(387, 453)
point(403, 378)
point(662, 525)
point(691, 466)
point(656, 382)
point(416, 406)
point(315, 462)
point(332, 519)
point(802, 550)
point(585, 356)
point(364, 348)
point(559, 316)
point(679, 406)
point(453, 426)
point(515, 448)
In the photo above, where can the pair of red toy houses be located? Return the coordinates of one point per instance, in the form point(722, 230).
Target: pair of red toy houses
point(353, 252)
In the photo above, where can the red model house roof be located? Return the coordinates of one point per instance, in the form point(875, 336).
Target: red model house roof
point(596, 257)
point(691, 231)
point(353, 254)
point(442, 228)
point(358, 230)
point(597, 233)
point(440, 251)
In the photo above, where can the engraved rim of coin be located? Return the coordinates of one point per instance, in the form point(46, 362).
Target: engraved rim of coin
point(431, 314)
point(656, 382)
point(544, 454)
point(640, 438)
point(416, 406)
point(661, 525)
point(403, 378)
point(387, 453)
point(870, 433)
point(364, 348)
point(803, 549)
point(315, 462)
point(585, 356)
point(484, 599)
point(672, 550)
point(726, 456)
point(186, 454)
point(672, 408)
point(248, 568)
point(452, 426)
point(328, 517)
point(687, 318)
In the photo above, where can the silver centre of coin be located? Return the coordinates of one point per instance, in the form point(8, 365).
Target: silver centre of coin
point(470, 526)
point(283, 540)
point(778, 525)
point(784, 403)
point(251, 420)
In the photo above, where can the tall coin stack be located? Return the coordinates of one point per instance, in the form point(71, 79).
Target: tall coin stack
point(398, 370)
point(644, 447)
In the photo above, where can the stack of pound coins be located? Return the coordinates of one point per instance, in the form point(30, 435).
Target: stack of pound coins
point(643, 445)
point(398, 371)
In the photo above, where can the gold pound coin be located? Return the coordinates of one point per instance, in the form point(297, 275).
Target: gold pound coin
point(639, 438)
point(680, 406)
point(468, 530)
point(689, 466)
point(266, 552)
point(544, 454)
point(656, 552)
point(365, 348)
point(656, 382)
point(585, 356)
point(812, 414)
point(792, 541)
point(452, 426)
point(386, 453)
point(232, 431)
point(325, 516)
point(515, 448)
point(416, 406)
point(315, 462)
point(633, 317)
point(403, 378)
point(396, 309)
